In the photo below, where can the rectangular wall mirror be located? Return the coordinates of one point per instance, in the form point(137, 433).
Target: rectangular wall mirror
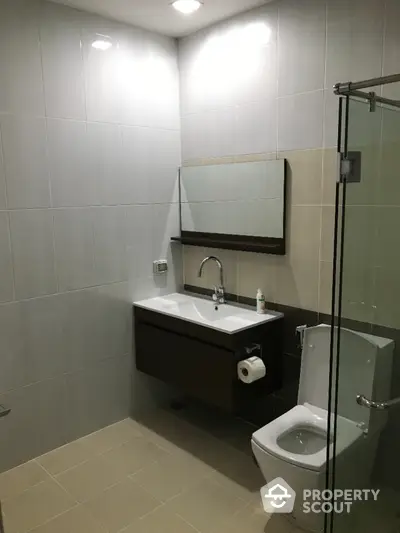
point(238, 206)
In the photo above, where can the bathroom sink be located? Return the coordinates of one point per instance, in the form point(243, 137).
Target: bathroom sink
point(225, 317)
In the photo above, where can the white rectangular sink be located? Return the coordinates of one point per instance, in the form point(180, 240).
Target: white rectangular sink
point(226, 317)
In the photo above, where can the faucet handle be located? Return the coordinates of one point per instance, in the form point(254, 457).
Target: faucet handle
point(220, 294)
point(215, 294)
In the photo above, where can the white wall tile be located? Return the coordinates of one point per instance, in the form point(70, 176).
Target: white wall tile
point(209, 134)
point(137, 164)
point(25, 159)
point(13, 360)
point(164, 174)
point(255, 127)
point(160, 92)
point(300, 120)
point(109, 244)
point(115, 320)
point(354, 40)
point(33, 253)
point(301, 45)
point(21, 82)
point(62, 62)
point(51, 82)
point(222, 66)
point(82, 328)
point(74, 246)
point(166, 224)
point(6, 271)
point(105, 153)
point(103, 70)
point(139, 224)
point(149, 179)
point(41, 353)
point(73, 182)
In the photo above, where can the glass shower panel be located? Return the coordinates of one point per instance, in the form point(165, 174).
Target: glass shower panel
point(368, 278)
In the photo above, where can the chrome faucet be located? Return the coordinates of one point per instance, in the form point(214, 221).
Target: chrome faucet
point(219, 292)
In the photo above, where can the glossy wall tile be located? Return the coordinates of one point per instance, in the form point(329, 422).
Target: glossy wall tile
point(86, 136)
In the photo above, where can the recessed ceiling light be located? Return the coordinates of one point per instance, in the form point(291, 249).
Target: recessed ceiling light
point(101, 45)
point(103, 42)
point(187, 6)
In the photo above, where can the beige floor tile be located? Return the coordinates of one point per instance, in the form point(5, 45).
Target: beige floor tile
point(66, 457)
point(243, 478)
point(169, 432)
point(35, 506)
point(178, 436)
point(22, 477)
point(160, 521)
point(206, 506)
point(133, 455)
point(251, 519)
point(77, 520)
point(279, 523)
point(170, 476)
point(118, 506)
point(87, 480)
point(112, 436)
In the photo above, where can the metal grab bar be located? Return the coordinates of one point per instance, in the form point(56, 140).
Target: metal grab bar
point(381, 406)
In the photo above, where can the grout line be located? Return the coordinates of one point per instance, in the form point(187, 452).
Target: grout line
point(39, 34)
point(11, 251)
point(130, 477)
point(71, 291)
point(125, 528)
point(187, 522)
point(63, 375)
point(61, 486)
point(88, 206)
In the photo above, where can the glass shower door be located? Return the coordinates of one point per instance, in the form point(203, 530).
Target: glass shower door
point(366, 296)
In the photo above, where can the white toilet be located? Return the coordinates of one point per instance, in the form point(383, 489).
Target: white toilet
point(294, 446)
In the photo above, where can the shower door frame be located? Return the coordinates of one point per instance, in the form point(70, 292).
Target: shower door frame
point(344, 91)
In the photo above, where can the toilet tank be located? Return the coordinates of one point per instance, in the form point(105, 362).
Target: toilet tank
point(365, 364)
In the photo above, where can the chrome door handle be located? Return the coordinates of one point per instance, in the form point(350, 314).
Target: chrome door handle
point(381, 406)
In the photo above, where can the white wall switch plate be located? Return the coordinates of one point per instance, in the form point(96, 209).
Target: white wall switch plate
point(160, 267)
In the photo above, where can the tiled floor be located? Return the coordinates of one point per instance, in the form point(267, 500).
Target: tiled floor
point(161, 474)
point(168, 472)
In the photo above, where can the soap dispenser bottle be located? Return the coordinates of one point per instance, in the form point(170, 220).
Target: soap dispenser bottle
point(260, 302)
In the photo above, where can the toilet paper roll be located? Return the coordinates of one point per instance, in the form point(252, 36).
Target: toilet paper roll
point(251, 370)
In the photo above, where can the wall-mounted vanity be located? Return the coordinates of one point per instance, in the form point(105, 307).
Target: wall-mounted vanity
point(195, 345)
point(237, 206)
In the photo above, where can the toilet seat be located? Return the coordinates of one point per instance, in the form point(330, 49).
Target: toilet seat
point(312, 418)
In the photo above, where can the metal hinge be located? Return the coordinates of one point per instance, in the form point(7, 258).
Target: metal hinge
point(350, 167)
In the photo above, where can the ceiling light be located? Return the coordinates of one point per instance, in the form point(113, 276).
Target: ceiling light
point(103, 42)
point(187, 6)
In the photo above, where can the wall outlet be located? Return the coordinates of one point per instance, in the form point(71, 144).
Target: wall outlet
point(160, 267)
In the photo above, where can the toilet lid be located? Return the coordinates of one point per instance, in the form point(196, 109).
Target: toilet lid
point(357, 372)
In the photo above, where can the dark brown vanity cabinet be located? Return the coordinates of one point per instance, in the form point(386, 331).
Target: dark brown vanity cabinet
point(201, 362)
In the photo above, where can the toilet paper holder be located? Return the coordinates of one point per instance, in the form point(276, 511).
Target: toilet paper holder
point(250, 349)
